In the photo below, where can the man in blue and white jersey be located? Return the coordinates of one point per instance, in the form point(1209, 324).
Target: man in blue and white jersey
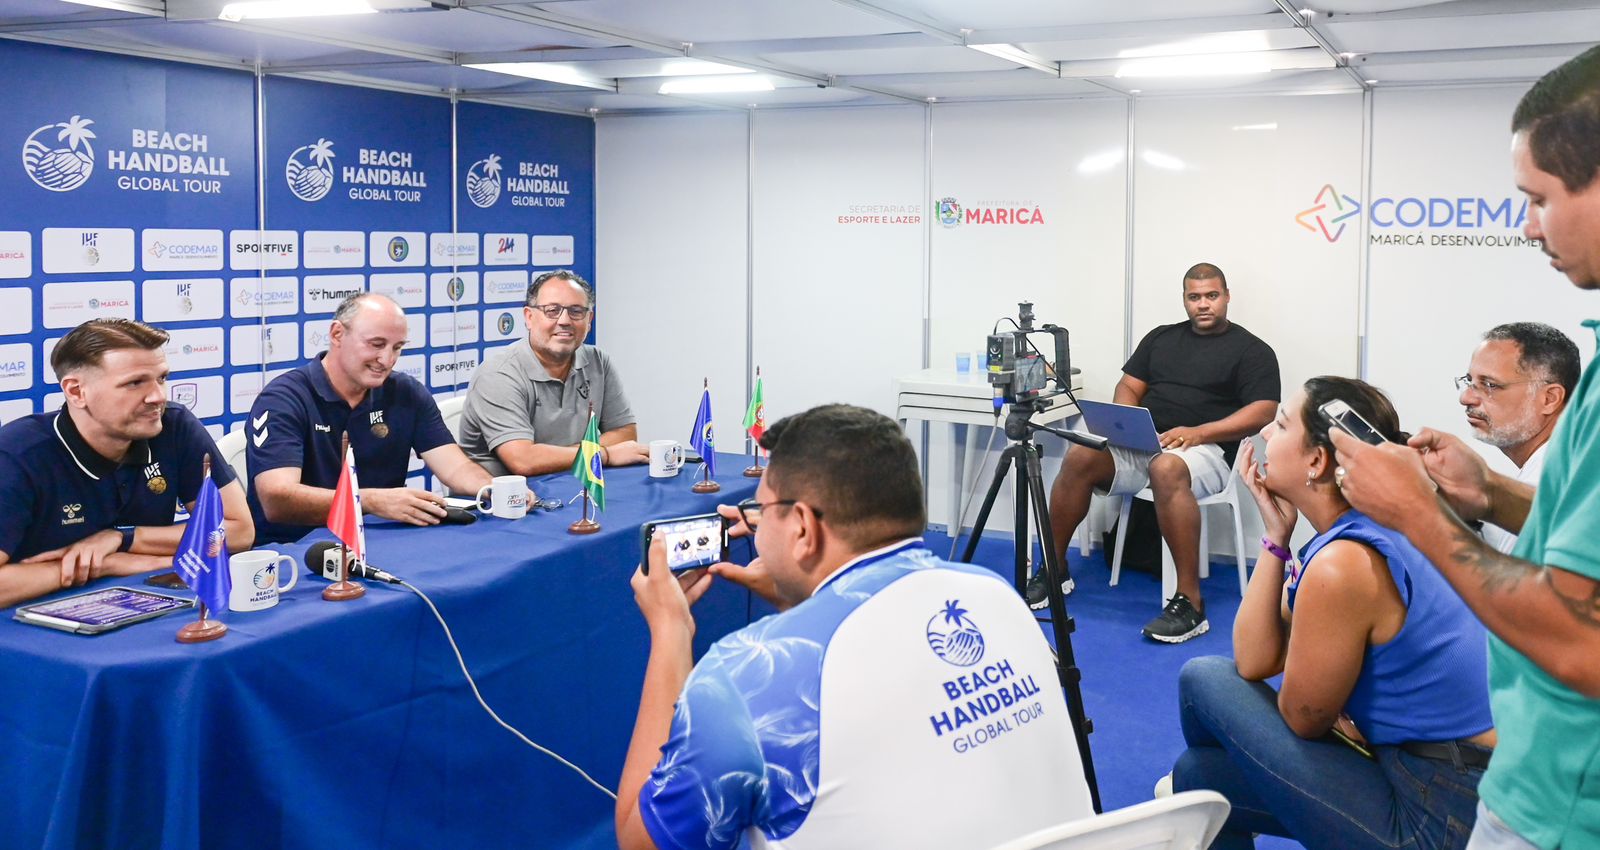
point(897, 700)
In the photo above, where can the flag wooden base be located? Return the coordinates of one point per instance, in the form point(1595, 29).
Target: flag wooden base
point(343, 590)
point(583, 526)
point(707, 486)
point(754, 471)
point(201, 631)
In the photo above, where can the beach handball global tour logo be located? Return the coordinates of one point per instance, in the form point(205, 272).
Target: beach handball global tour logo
point(59, 157)
point(483, 181)
point(310, 170)
point(954, 637)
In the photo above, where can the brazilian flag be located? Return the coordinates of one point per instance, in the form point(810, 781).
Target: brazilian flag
point(587, 466)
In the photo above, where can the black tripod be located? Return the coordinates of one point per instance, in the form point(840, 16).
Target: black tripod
point(1024, 455)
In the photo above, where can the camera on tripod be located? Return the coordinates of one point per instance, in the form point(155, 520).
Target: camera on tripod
point(1017, 369)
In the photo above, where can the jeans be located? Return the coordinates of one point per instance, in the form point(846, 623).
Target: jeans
point(1321, 792)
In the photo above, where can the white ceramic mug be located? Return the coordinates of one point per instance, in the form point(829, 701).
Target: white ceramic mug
point(666, 457)
point(257, 579)
point(508, 497)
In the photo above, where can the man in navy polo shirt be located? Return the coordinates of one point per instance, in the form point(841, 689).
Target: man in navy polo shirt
point(293, 450)
point(90, 490)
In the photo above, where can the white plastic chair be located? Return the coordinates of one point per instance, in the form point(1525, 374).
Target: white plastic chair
point(1169, 574)
point(1187, 821)
point(450, 409)
point(231, 447)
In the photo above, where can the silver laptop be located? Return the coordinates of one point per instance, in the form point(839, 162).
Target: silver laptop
point(1124, 425)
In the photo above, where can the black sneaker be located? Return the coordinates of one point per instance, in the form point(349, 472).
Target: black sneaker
point(1178, 622)
point(1038, 593)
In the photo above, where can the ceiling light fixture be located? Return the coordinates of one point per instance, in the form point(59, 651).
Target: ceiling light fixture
point(726, 84)
point(262, 9)
point(1207, 65)
point(1008, 52)
point(550, 72)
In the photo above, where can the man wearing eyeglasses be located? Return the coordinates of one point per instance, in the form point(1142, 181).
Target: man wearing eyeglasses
point(897, 700)
point(293, 447)
point(527, 409)
point(1541, 603)
point(1515, 388)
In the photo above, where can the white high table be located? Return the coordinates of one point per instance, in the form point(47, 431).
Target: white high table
point(964, 402)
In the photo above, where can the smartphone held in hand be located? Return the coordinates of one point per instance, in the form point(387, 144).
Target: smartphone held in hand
point(692, 542)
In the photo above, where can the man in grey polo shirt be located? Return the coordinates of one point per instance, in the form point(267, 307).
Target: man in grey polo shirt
point(528, 407)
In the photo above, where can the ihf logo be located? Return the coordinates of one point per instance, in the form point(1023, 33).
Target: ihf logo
point(483, 181)
point(954, 637)
point(399, 249)
point(59, 157)
point(310, 170)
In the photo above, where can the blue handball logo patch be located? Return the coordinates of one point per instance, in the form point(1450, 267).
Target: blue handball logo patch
point(954, 637)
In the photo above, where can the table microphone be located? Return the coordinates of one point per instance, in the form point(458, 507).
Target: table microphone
point(323, 560)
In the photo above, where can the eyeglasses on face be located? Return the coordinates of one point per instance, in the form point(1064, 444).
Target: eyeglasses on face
point(750, 510)
point(1486, 387)
point(578, 312)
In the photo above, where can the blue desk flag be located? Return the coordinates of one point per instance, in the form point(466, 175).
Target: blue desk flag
point(202, 557)
point(703, 441)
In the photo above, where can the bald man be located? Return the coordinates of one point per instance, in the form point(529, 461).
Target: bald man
point(295, 426)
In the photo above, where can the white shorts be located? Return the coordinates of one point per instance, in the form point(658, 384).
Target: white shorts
point(1208, 471)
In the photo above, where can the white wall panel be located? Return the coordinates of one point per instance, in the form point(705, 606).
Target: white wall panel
point(1065, 161)
point(671, 266)
point(1225, 180)
point(838, 307)
point(1438, 284)
point(1222, 180)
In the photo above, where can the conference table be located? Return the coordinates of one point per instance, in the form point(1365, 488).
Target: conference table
point(319, 724)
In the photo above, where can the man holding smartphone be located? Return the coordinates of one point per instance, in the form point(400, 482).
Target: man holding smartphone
point(1542, 602)
point(923, 680)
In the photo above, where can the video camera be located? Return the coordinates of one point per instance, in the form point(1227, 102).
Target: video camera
point(1015, 366)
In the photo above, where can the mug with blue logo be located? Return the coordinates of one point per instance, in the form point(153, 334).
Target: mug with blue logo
point(258, 579)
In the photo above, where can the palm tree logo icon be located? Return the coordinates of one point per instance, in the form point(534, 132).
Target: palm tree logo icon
point(66, 166)
point(954, 637)
point(310, 170)
point(483, 181)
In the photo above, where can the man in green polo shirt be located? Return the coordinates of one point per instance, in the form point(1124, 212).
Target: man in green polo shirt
point(1542, 602)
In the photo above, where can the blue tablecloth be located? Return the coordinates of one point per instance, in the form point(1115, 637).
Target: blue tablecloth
point(319, 724)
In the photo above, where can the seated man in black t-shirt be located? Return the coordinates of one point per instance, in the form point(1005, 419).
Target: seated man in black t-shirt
point(1208, 383)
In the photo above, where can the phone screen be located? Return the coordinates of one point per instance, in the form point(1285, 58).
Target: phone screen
point(1341, 416)
point(692, 542)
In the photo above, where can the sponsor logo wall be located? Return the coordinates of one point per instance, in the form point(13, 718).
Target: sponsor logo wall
point(133, 193)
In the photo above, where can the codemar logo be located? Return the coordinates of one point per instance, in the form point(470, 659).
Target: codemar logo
point(1328, 213)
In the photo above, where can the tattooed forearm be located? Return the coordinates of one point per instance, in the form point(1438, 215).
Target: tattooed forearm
point(1497, 572)
point(1585, 607)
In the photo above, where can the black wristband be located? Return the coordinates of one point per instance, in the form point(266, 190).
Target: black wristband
point(127, 539)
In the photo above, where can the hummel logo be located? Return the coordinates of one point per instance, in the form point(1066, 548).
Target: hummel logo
point(260, 420)
point(260, 438)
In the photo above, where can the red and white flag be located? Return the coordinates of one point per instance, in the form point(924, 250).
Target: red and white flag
point(344, 518)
